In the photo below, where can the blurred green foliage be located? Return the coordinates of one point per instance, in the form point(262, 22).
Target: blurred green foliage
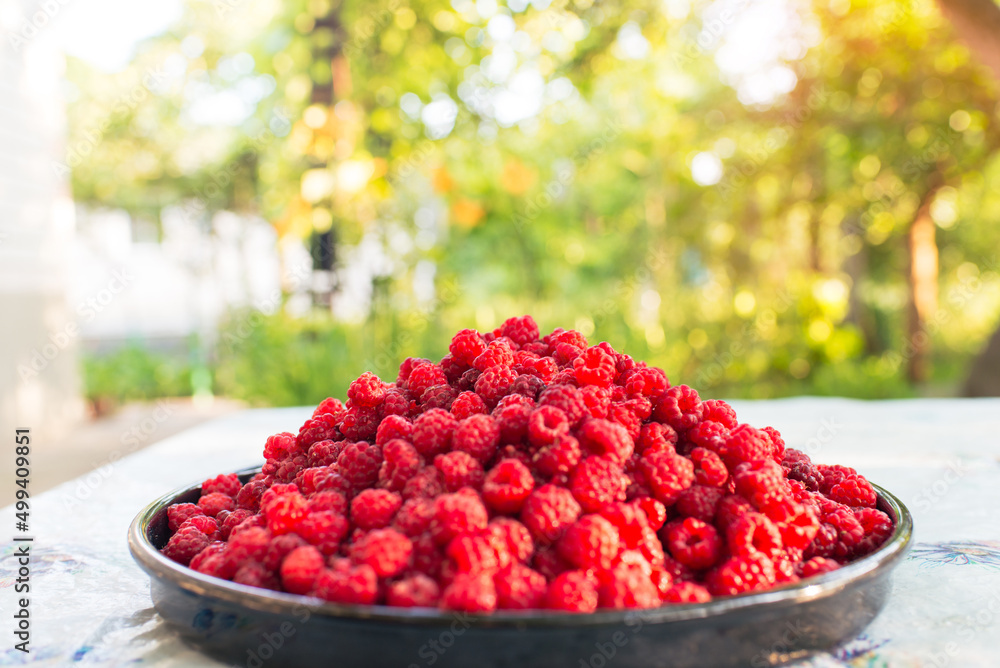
point(135, 373)
point(788, 273)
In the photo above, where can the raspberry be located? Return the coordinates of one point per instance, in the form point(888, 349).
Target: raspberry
point(546, 424)
point(367, 390)
point(543, 368)
point(359, 424)
point(386, 551)
point(758, 481)
point(521, 330)
point(559, 457)
point(625, 587)
point(548, 511)
point(467, 404)
point(572, 591)
point(686, 592)
point(630, 521)
point(329, 406)
point(400, 462)
point(248, 498)
point(248, 545)
point(596, 482)
point(284, 513)
point(805, 473)
point(466, 346)
point(594, 367)
point(477, 435)
point(210, 561)
point(253, 574)
point(320, 428)
point(324, 529)
point(745, 444)
point(427, 483)
point(852, 490)
point(597, 400)
point(473, 554)
point(355, 585)
point(796, 522)
point(438, 396)
point(459, 469)
point(374, 508)
point(234, 519)
point(623, 415)
point(708, 468)
point(527, 385)
point(228, 484)
point(423, 376)
point(507, 486)
point(716, 410)
point(566, 398)
point(777, 443)
point(694, 543)
point(324, 453)
point(393, 427)
point(655, 511)
point(876, 525)
point(655, 437)
point(280, 446)
point(407, 367)
point(300, 569)
point(668, 475)
point(494, 384)
point(604, 437)
point(817, 566)
point(414, 516)
point(519, 588)
point(212, 504)
point(497, 354)
point(752, 533)
point(396, 403)
point(204, 524)
point(510, 539)
point(513, 421)
point(359, 464)
point(457, 514)
point(415, 591)
point(470, 592)
point(432, 432)
point(184, 545)
point(838, 535)
point(279, 548)
point(680, 407)
point(590, 542)
point(647, 381)
point(179, 513)
point(741, 574)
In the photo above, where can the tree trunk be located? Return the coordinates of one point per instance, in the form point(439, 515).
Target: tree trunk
point(923, 278)
point(977, 23)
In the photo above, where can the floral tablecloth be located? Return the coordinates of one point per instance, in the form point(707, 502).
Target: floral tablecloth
point(90, 603)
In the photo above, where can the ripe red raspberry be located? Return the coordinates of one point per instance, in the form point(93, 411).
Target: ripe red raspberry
point(852, 490)
point(470, 592)
point(248, 497)
point(466, 346)
point(566, 398)
point(432, 432)
point(594, 367)
point(741, 574)
point(423, 376)
point(546, 424)
point(253, 574)
point(233, 520)
point(548, 511)
point(708, 468)
point(513, 421)
point(204, 524)
point(621, 414)
point(324, 529)
point(477, 435)
point(250, 544)
point(719, 411)
point(527, 385)
point(457, 514)
point(647, 381)
point(179, 513)
point(300, 569)
point(796, 522)
point(680, 407)
point(507, 486)
point(407, 367)
point(285, 513)
point(590, 542)
point(427, 483)
point(438, 396)
point(473, 554)
point(400, 462)
point(184, 545)
point(630, 521)
point(839, 534)
point(211, 561)
point(654, 437)
point(752, 532)
point(387, 551)
point(359, 423)
point(414, 516)
point(374, 508)
point(280, 547)
point(466, 405)
point(392, 427)
point(876, 525)
point(415, 591)
point(428, 557)
point(396, 402)
point(707, 435)
point(497, 354)
point(211, 504)
point(228, 484)
point(572, 591)
point(367, 390)
point(667, 474)
point(494, 384)
point(359, 464)
point(655, 511)
point(777, 443)
point(559, 457)
point(356, 585)
point(324, 453)
point(607, 438)
point(745, 444)
point(459, 469)
point(817, 566)
point(686, 592)
point(329, 406)
point(543, 368)
point(280, 446)
point(597, 400)
point(694, 543)
point(521, 330)
point(759, 481)
point(520, 588)
point(510, 539)
point(626, 586)
point(320, 428)
point(596, 482)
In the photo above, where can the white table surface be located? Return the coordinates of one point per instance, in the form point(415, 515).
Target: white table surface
point(90, 602)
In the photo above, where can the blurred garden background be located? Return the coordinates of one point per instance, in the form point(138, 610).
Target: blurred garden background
point(763, 197)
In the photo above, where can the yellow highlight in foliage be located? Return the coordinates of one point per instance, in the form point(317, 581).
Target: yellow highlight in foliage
point(517, 177)
point(467, 212)
point(441, 180)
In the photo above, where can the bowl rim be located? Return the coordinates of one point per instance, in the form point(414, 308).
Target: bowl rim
point(159, 567)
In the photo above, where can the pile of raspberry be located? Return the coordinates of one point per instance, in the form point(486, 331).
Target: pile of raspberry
point(525, 472)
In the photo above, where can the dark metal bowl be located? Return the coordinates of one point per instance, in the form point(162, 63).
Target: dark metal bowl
point(247, 626)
